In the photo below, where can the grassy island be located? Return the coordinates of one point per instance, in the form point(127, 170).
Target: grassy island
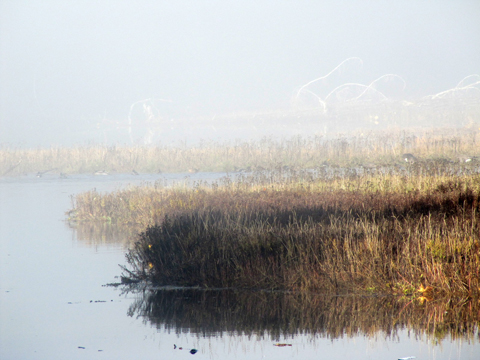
point(414, 230)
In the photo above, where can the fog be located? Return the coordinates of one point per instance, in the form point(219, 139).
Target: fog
point(71, 69)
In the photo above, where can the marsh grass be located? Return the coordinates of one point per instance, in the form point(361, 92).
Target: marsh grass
point(304, 231)
point(356, 149)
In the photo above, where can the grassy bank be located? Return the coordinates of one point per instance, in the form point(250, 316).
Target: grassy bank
point(372, 148)
point(415, 234)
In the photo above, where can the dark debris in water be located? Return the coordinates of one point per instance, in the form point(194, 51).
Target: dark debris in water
point(192, 351)
point(83, 348)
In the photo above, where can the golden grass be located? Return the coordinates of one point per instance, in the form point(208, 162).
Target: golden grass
point(304, 231)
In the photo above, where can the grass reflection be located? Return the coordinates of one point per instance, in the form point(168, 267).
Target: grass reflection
point(276, 314)
point(93, 234)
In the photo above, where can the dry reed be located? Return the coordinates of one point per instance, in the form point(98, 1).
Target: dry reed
point(304, 231)
point(360, 149)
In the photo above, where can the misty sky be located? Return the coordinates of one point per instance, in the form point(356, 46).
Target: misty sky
point(67, 63)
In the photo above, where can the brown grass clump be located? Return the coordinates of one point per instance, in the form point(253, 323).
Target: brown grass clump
point(387, 234)
point(335, 243)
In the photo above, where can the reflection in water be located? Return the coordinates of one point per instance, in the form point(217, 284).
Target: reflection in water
point(100, 234)
point(276, 314)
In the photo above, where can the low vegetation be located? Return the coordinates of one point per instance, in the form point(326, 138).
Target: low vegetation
point(323, 230)
point(375, 148)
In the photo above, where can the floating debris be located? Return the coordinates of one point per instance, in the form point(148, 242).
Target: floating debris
point(192, 351)
point(281, 345)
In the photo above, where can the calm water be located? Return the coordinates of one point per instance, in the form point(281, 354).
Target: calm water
point(53, 304)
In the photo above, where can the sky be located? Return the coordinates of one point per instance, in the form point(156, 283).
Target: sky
point(68, 65)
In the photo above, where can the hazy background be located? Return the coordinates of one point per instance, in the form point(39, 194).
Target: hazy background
point(69, 67)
